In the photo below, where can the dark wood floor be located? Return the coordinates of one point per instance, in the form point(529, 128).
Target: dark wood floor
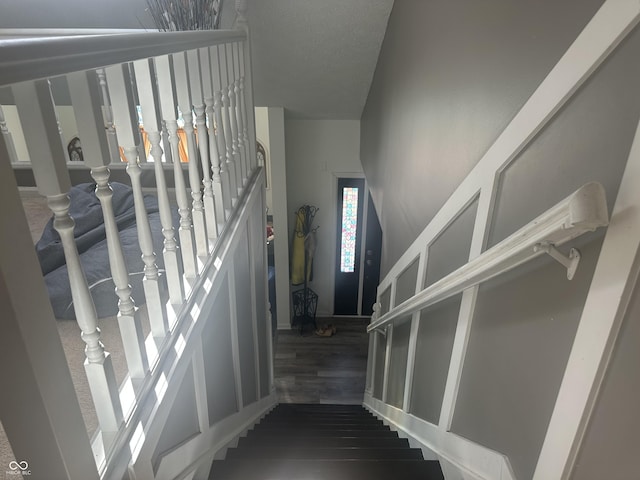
point(313, 369)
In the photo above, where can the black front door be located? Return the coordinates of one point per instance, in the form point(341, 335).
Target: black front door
point(372, 254)
point(351, 196)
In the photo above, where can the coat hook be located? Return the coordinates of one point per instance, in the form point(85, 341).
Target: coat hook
point(570, 262)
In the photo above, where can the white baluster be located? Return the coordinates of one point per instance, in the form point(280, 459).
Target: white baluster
point(170, 253)
point(165, 93)
point(235, 151)
point(197, 78)
point(222, 152)
point(168, 158)
point(216, 76)
point(242, 114)
point(216, 179)
point(230, 167)
point(126, 120)
point(216, 184)
point(8, 138)
point(129, 317)
point(184, 103)
point(238, 115)
point(100, 374)
point(38, 119)
point(241, 15)
point(209, 101)
point(249, 124)
point(108, 116)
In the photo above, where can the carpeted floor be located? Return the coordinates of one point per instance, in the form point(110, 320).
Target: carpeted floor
point(38, 214)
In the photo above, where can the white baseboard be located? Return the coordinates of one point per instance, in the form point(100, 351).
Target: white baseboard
point(222, 435)
point(460, 459)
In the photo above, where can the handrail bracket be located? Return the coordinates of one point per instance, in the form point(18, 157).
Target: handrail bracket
point(570, 261)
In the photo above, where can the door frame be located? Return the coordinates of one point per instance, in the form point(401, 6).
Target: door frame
point(334, 220)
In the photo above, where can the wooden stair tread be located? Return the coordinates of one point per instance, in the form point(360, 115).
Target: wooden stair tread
point(287, 469)
point(327, 441)
point(320, 453)
point(323, 442)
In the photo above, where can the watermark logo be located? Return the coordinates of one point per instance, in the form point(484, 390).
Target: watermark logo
point(18, 468)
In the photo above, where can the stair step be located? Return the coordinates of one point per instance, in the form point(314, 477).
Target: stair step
point(323, 442)
point(324, 453)
point(319, 407)
point(321, 426)
point(315, 432)
point(243, 469)
point(320, 417)
point(316, 442)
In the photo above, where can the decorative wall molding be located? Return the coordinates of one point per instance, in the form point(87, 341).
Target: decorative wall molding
point(220, 436)
point(469, 459)
point(608, 296)
point(613, 282)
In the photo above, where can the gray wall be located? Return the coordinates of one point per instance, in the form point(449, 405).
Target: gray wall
point(433, 353)
point(450, 77)
point(616, 412)
point(245, 321)
point(525, 322)
point(398, 362)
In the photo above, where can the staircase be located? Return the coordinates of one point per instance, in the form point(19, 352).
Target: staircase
point(317, 442)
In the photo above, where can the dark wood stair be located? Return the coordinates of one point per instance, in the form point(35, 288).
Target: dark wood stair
point(318, 442)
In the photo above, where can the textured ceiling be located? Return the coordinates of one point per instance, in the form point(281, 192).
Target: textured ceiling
point(316, 58)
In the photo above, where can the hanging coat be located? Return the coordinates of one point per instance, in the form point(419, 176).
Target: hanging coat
point(297, 250)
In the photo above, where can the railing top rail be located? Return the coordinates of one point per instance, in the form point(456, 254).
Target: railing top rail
point(42, 55)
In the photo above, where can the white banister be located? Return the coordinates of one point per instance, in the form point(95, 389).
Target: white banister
point(38, 119)
point(8, 138)
point(108, 117)
point(214, 156)
point(583, 211)
point(235, 47)
point(127, 132)
point(100, 374)
point(40, 57)
point(185, 105)
point(198, 82)
point(221, 142)
point(235, 148)
point(113, 75)
point(230, 167)
point(169, 112)
point(151, 123)
point(243, 110)
point(30, 349)
point(222, 162)
point(247, 86)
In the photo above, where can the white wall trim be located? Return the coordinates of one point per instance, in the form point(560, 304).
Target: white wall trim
point(615, 272)
point(484, 214)
point(280, 217)
point(467, 457)
point(608, 298)
point(608, 27)
point(220, 436)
